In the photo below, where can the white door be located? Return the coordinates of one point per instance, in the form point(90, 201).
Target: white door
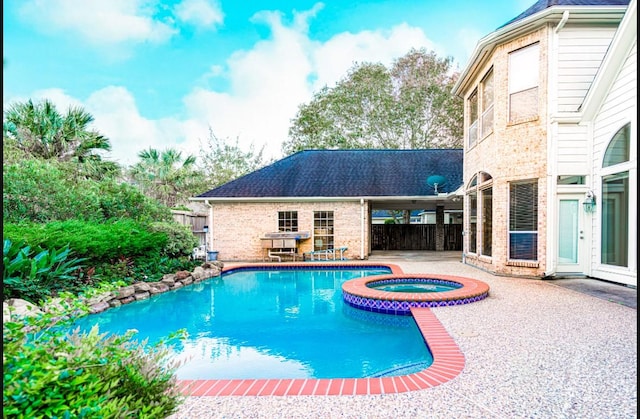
point(572, 237)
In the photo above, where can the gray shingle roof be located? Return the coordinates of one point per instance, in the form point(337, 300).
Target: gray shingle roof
point(349, 173)
point(545, 4)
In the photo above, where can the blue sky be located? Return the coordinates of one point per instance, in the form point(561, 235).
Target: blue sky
point(163, 73)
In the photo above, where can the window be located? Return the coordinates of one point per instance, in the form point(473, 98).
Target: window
point(615, 201)
point(523, 220)
point(287, 220)
point(480, 203)
point(571, 180)
point(322, 230)
point(473, 221)
point(486, 220)
point(523, 83)
point(486, 125)
point(473, 118)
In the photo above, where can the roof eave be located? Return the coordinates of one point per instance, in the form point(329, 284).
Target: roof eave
point(552, 14)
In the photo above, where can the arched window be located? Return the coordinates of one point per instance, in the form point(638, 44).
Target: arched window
point(615, 200)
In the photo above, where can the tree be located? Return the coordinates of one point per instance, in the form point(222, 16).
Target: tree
point(40, 131)
point(222, 162)
point(165, 175)
point(407, 106)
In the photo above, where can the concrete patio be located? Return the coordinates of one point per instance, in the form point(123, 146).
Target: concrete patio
point(564, 348)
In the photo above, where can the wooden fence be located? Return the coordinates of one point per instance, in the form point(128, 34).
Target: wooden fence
point(414, 237)
point(196, 220)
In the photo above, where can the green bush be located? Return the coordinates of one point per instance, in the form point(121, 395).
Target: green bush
point(180, 239)
point(121, 200)
point(69, 195)
point(34, 274)
point(23, 184)
point(53, 374)
point(105, 242)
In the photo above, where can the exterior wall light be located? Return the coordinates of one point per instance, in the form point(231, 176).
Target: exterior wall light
point(589, 202)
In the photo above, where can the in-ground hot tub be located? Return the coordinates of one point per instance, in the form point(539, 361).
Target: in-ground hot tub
point(397, 294)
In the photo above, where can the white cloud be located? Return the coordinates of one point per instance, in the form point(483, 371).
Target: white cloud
point(271, 80)
point(333, 59)
point(98, 22)
point(201, 13)
point(117, 117)
point(267, 84)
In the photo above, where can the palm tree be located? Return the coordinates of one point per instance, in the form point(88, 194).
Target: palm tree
point(164, 175)
point(41, 131)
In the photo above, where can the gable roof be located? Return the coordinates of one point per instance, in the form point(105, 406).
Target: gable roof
point(348, 173)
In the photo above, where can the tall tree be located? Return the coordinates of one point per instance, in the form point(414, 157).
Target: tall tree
point(40, 131)
point(409, 105)
point(165, 175)
point(222, 161)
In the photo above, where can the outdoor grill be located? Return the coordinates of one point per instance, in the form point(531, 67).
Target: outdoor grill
point(283, 243)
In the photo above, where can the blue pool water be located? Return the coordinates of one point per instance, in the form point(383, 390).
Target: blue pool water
point(288, 323)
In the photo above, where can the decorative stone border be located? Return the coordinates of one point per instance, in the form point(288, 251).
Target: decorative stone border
point(15, 307)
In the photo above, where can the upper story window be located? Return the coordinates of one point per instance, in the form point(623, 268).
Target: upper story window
point(618, 149)
point(287, 220)
point(523, 83)
point(486, 124)
point(473, 118)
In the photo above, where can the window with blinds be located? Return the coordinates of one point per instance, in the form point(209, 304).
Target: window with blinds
point(523, 83)
point(523, 220)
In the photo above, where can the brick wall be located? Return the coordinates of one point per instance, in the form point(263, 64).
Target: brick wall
point(512, 152)
point(238, 227)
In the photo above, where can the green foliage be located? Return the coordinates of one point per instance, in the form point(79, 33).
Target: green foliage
point(408, 106)
point(149, 269)
point(70, 195)
point(165, 175)
point(121, 200)
point(41, 131)
point(97, 242)
point(24, 198)
point(223, 162)
point(50, 373)
point(34, 274)
point(180, 239)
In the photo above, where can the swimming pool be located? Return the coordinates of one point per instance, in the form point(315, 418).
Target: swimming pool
point(275, 323)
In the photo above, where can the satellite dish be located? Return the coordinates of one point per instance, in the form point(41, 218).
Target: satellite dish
point(436, 181)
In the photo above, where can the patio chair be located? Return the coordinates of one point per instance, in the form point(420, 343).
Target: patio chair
point(199, 252)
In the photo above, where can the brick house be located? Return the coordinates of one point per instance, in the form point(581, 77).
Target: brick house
point(550, 170)
point(323, 199)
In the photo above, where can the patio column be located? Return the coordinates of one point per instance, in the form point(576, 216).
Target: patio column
point(439, 228)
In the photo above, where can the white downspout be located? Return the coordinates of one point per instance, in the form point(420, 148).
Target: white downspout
point(209, 234)
point(361, 229)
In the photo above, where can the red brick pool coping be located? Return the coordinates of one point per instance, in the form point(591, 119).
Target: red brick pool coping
point(448, 361)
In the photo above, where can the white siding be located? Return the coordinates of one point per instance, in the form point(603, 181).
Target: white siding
point(573, 149)
point(580, 53)
point(617, 109)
